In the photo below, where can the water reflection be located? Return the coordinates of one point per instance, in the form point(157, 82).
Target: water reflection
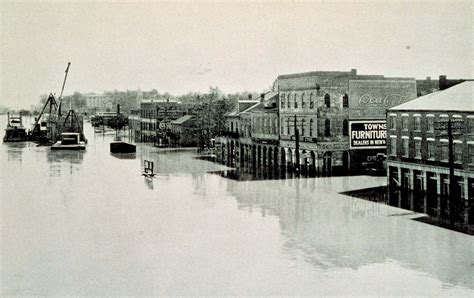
point(64, 161)
point(425, 206)
point(333, 231)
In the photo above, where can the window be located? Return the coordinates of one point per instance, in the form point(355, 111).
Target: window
point(444, 151)
point(393, 122)
point(296, 101)
point(310, 127)
point(417, 123)
point(405, 147)
point(311, 101)
point(431, 150)
point(303, 121)
point(345, 101)
point(327, 100)
point(458, 152)
point(393, 146)
point(282, 129)
point(470, 125)
point(288, 103)
point(405, 122)
point(471, 153)
point(282, 104)
point(303, 104)
point(430, 124)
point(345, 128)
point(417, 148)
point(288, 126)
point(327, 128)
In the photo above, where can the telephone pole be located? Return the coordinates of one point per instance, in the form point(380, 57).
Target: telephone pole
point(453, 198)
point(297, 147)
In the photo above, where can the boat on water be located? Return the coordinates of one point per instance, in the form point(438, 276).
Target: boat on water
point(15, 132)
point(69, 141)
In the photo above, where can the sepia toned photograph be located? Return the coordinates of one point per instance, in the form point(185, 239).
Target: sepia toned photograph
point(236, 148)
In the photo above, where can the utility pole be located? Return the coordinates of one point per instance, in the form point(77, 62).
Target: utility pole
point(297, 147)
point(453, 198)
point(452, 182)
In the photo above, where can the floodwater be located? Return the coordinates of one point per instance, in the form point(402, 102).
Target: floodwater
point(89, 223)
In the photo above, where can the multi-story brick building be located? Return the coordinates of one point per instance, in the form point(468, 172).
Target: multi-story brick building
point(155, 119)
point(323, 104)
point(418, 151)
point(325, 107)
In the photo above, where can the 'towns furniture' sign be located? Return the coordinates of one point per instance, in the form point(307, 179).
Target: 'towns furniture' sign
point(368, 134)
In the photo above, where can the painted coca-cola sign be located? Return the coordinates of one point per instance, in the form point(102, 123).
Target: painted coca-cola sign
point(370, 99)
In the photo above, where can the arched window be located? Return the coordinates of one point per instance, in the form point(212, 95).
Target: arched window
point(296, 101)
point(303, 104)
point(311, 127)
point(282, 99)
point(311, 101)
point(345, 128)
point(345, 101)
point(327, 100)
point(327, 128)
point(289, 101)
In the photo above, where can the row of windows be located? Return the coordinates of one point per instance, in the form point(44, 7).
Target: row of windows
point(429, 123)
point(290, 101)
point(301, 125)
point(431, 150)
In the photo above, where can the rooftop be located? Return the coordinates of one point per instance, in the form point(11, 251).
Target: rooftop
point(457, 98)
point(182, 120)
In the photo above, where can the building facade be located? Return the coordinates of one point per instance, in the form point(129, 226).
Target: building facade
point(306, 125)
point(323, 105)
point(155, 120)
point(98, 102)
point(418, 151)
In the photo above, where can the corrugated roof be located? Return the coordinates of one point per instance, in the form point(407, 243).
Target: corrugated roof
point(457, 98)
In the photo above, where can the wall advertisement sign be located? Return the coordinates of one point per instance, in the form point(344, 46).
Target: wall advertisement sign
point(367, 134)
point(370, 99)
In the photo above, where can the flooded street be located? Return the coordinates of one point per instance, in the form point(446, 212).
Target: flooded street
point(89, 223)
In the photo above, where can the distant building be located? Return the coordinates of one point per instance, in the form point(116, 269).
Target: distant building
point(428, 85)
point(98, 102)
point(418, 152)
point(155, 119)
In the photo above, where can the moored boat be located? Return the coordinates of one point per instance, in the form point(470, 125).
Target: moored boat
point(15, 132)
point(69, 141)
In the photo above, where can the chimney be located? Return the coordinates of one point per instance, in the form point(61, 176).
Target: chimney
point(442, 82)
point(428, 79)
point(353, 71)
point(262, 97)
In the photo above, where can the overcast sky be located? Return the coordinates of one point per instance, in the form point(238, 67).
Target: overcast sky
point(181, 47)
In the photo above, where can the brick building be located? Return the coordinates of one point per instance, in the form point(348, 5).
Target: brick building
point(324, 103)
point(155, 119)
point(418, 151)
point(324, 106)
